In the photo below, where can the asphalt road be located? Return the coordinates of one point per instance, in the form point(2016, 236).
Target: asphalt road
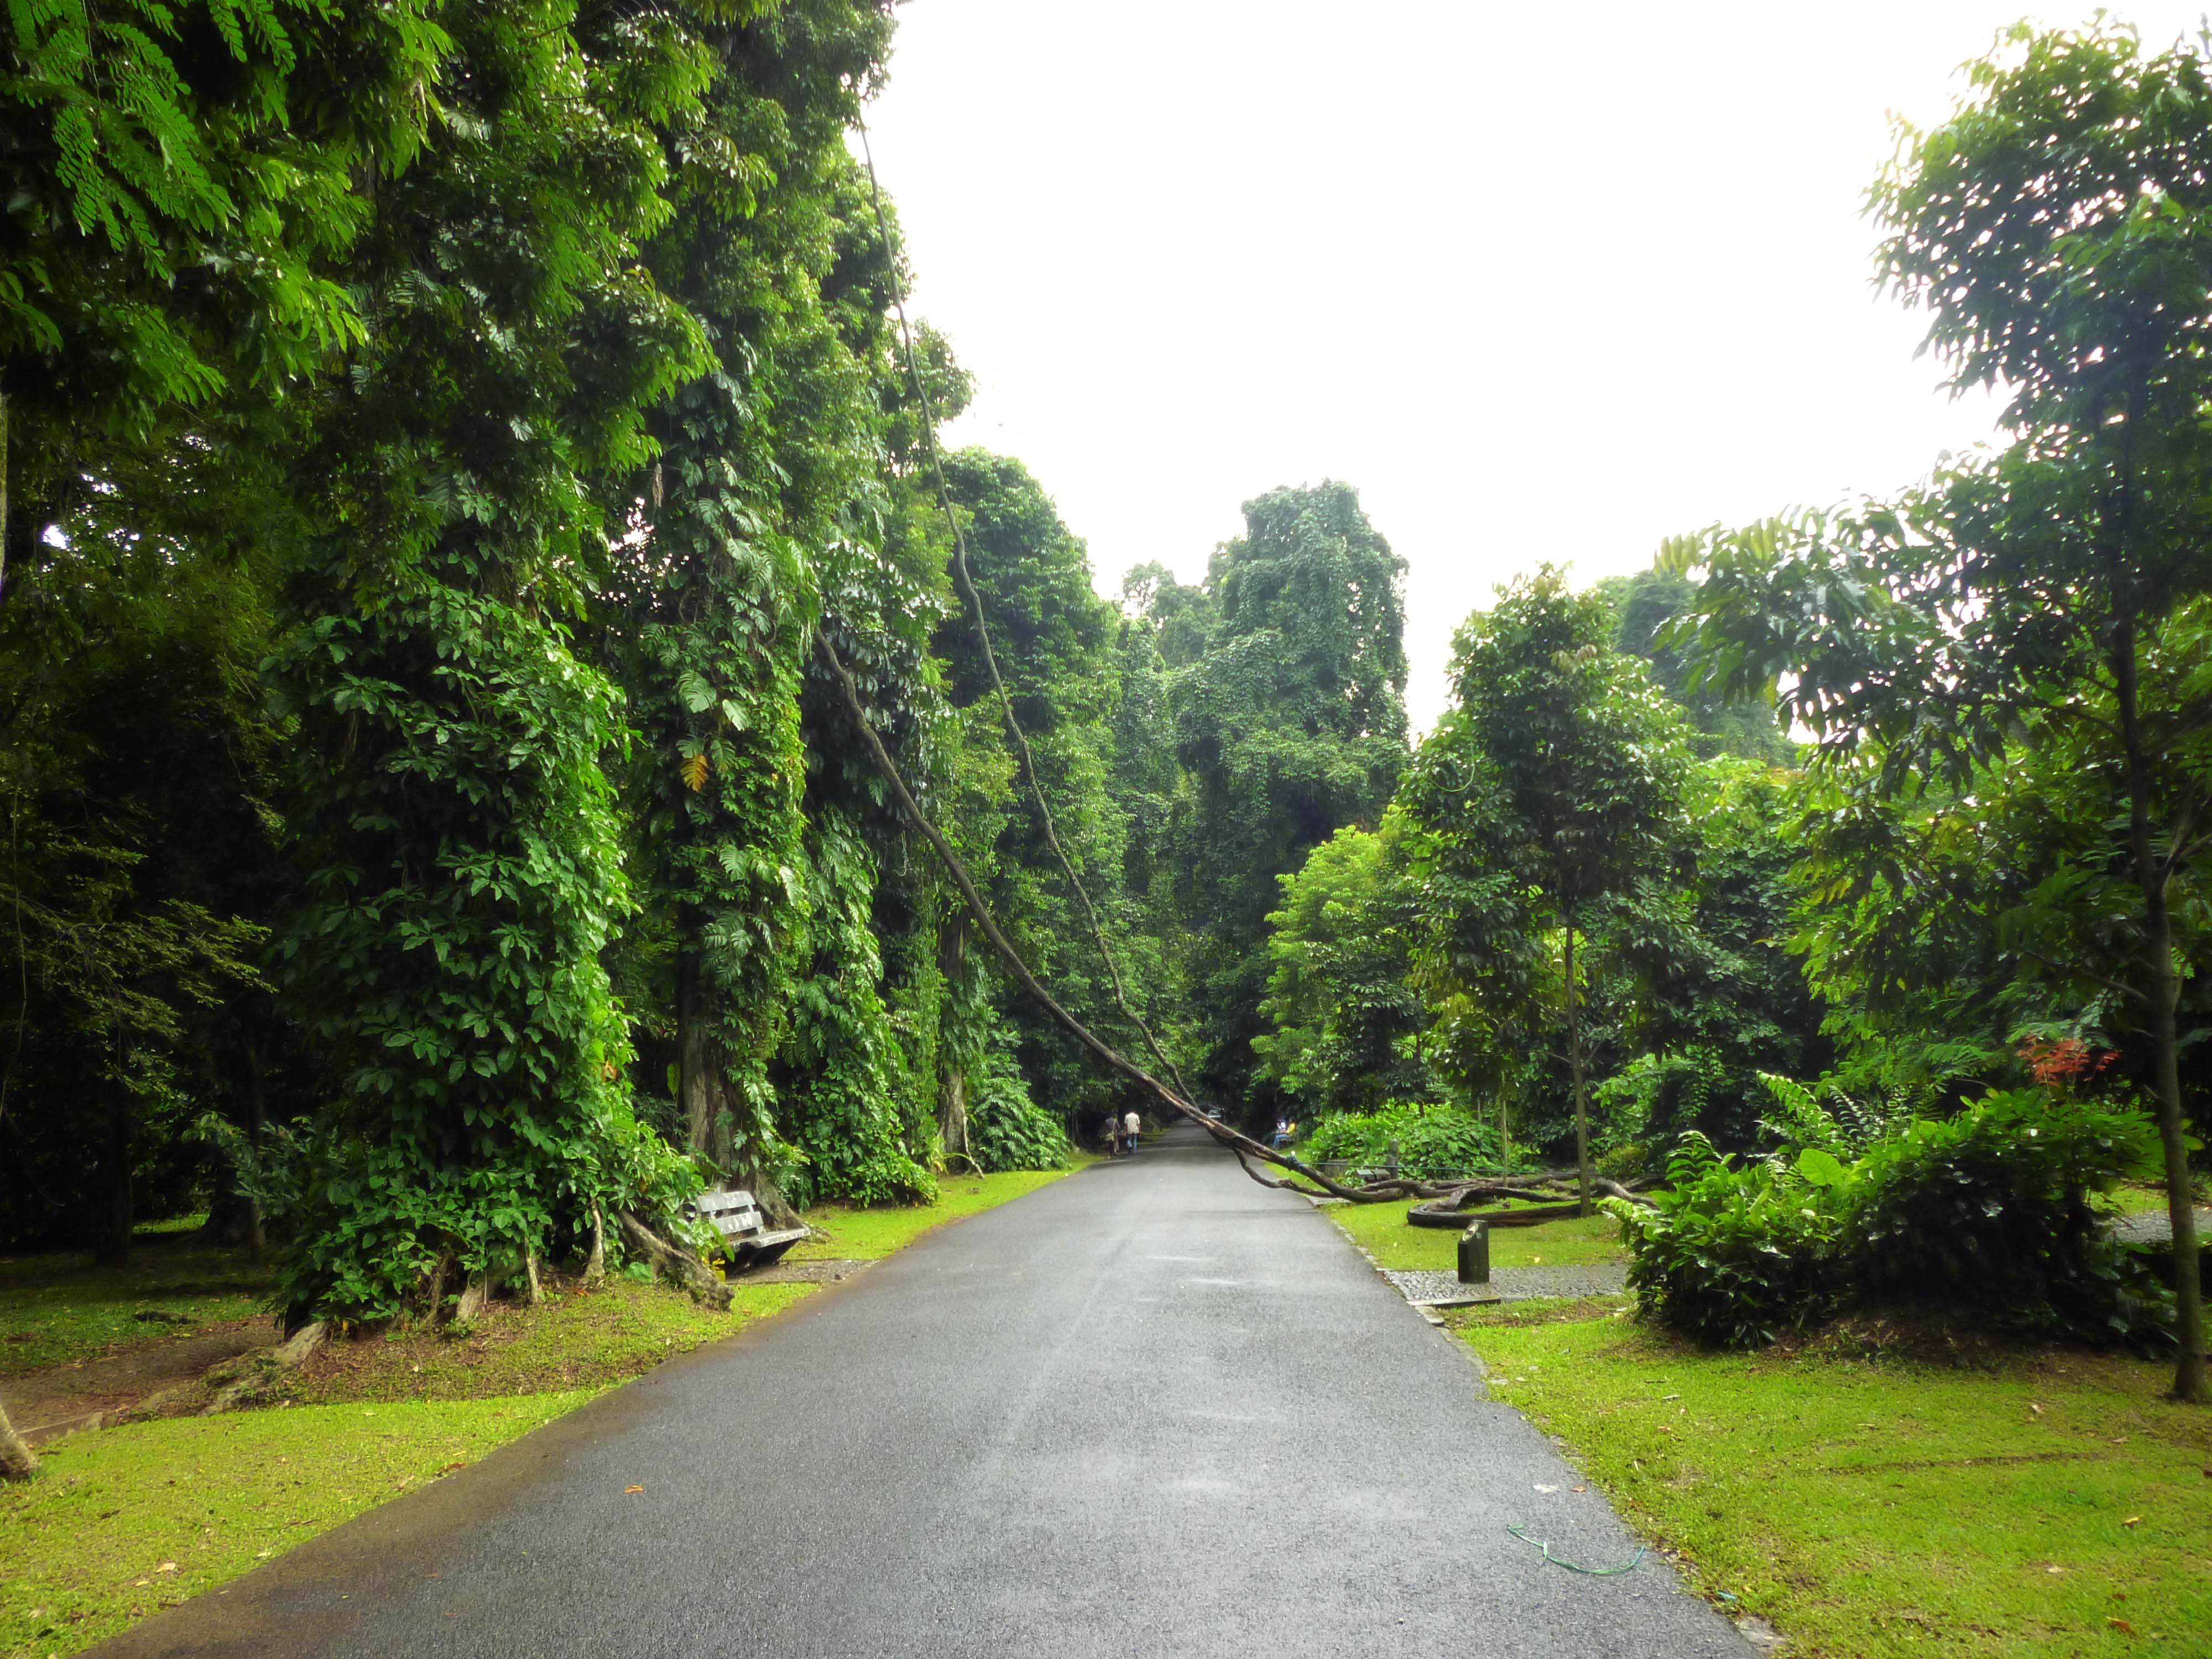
point(1152, 1409)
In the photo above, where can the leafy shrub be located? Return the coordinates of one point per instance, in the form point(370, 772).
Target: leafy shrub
point(1989, 1208)
point(1732, 1256)
point(1992, 1207)
point(1006, 1130)
point(1432, 1140)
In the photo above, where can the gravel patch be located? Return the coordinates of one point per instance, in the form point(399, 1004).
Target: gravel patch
point(801, 1273)
point(1434, 1288)
point(2156, 1227)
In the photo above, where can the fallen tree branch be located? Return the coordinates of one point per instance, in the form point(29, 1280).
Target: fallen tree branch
point(1243, 1146)
point(679, 1265)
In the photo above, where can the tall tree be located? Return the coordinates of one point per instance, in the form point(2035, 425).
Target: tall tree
point(1290, 726)
point(1054, 638)
point(710, 611)
point(1349, 1023)
point(454, 829)
point(1551, 793)
point(2057, 228)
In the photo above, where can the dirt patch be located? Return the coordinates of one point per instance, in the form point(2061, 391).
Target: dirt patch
point(46, 1404)
point(800, 1273)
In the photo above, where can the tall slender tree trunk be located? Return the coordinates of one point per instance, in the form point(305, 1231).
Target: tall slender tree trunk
point(1575, 1064)
point(256, 1114)
point(2188, 1380)
point(3, 495)
point(703, 1087)
point(113, 1249)
point(1505, 1142)
point(17, 1461)
point(701, 1067)
point(953, 1080)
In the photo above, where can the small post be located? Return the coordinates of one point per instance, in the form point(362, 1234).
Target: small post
point(1475, 1254)
point(1392, 1155)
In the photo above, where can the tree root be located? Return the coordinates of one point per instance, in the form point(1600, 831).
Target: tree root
point(595, 1265)
point(258, 1373)
point(17, 1460)
point(687, 1270)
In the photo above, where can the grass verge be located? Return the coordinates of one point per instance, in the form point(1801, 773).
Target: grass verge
point(123, 1522)
point(853, 1235)
point(56, 1309)
point(1871, 1500)
point(578, 1339)
point(1575, 1242)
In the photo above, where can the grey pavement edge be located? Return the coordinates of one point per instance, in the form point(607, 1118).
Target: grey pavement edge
point(1152, 1409)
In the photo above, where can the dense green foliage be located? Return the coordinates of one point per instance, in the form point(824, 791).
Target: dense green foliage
point(1429, 1139)
point(440, 449)
point(434, 448)
point(1289, 723)
point(1991, 1208)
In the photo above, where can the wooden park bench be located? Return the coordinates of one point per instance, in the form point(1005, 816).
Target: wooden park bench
point(747, 1239)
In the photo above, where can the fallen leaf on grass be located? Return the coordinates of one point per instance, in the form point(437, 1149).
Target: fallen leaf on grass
point(167, 1566)
point(2131, 1520)
point(450, 1468)
point(2054, 1567)
point(2037, 1409)
point(2121, 1626)
point(627, 1490)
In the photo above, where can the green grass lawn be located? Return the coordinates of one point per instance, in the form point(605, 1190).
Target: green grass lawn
point(863, 1235)
point(57, 1309)
point(120, 1523)
point(579, 1339)
point(1575, 1242)
point(2038, 1503)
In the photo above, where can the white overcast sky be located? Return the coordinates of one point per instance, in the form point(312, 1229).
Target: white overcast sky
point(1543, 281)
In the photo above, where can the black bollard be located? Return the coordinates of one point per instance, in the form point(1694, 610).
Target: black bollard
point(1475, 1254)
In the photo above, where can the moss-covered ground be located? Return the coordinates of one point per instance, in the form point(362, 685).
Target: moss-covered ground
point(122, 1521)
point(1896, 1488)
point(57, 1308)
point(1575, 1242)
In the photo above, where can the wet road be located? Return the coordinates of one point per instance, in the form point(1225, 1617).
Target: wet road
point(1152, 1409)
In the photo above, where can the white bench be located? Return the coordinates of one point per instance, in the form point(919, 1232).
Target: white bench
point(747, 1239)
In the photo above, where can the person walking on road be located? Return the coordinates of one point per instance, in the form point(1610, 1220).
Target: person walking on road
point(1130, 1125)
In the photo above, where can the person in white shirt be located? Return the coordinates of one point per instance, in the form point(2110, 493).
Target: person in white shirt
point(1130, 1125)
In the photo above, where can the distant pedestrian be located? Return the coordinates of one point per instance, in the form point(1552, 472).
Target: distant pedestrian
point(1130, 1125)
point(1282, 1133)
point(1112, 1139)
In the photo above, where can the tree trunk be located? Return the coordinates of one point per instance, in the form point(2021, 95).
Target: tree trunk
point(113, 1249)
point(2188, 1380)
point(952, 1114)
point(952, 1081)
point(701, 1065)
point(256, 1114)
point(595, 1264)
point(3, 495)
point(17, 1461)
point(1504, 1143)
point(1575, 1064)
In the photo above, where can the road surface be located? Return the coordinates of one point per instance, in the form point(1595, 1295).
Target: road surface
point(1153, 1409)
